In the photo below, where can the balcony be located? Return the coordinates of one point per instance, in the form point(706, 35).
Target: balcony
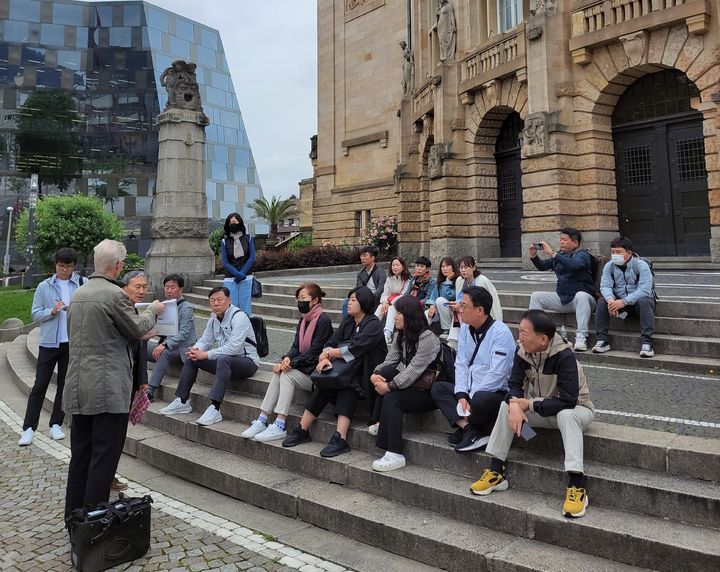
point(501, 56)
point(598, 22)
point(424, 99)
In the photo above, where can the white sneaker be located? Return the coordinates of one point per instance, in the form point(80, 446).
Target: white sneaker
point(56, 433)
point(255, 428)
point(210, 416)
point(647, 351)
point(177, 406)
point(601, 347)
point(373, 429)
point(27, 437)
point(580, 344)
point(390, 462)
point(272, 433)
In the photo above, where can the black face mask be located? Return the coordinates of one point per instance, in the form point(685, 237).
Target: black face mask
point(234, 228)
point(303, 306)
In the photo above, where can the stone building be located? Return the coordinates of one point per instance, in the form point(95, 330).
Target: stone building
point(501, 121)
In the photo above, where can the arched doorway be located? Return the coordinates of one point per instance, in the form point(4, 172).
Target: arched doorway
point(509, 185)
point(660, 172)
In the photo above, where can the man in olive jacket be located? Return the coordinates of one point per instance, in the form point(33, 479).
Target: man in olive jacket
point(98, 386)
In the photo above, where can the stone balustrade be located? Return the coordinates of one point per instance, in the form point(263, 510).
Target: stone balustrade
point(501, 56)
point(424, 98)
point(596, 15)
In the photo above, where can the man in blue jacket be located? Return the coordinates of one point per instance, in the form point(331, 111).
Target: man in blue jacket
point(627, 290)
point(575, 290)
point(49, 309)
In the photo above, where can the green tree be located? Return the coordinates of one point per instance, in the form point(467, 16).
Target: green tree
point(76, 221)
point(274, 211)
point(215, 238)
point(46, 139)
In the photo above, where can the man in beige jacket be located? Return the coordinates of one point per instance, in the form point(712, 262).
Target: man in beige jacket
point(98, 386)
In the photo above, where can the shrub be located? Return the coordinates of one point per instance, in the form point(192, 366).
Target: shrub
point(310, 257)
point(382, 233)
point(134, 262)
point(299, 242)
point(215, 238)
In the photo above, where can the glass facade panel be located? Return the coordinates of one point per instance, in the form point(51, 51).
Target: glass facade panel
point(156, 18)
point(52, 35)
point(25, 10)
point(206, 56)
point(67, 14)
point(180, 48)
point(184, 29)
point(69, 59)
point(132, 16)
point(209, 38)
point(121, 37)
point(16, 32)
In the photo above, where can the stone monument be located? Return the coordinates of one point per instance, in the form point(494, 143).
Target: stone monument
point(179, 229)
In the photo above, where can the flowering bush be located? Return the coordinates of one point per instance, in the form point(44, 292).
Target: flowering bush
point(382, 233)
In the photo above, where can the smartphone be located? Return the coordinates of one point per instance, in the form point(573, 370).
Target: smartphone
point(622, 315)
point(527, 432)
point(537, 245)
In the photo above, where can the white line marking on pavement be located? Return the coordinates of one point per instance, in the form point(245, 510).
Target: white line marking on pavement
point(659, 418)
point(684, 376)
point(232, 531)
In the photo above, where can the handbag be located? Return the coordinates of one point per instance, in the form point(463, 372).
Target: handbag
point(426, 379)
point(256, 291)
point(340, 376)
point(109, 534)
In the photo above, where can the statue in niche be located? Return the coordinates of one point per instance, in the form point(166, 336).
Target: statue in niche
point(534, 131)
point(408, 69)
point(181, 84)
point(435, 161)
point(446, 29)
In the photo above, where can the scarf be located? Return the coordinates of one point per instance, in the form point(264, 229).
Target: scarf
point(420, 283)
point(307, 327)
point(238, 251)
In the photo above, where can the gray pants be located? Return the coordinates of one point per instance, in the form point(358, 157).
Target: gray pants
point(166, 358)
point(280, 392)
point(570, 422)
point(224, 367)
point(644, 309)
point(582, 305)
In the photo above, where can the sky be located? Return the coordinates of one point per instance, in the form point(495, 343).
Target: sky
point(270, 46)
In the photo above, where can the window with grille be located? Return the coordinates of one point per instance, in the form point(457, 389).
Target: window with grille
point(638, 166)
point(691, 159)
point(507, 184)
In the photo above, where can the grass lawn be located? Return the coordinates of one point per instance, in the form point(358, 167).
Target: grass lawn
point(15, 302)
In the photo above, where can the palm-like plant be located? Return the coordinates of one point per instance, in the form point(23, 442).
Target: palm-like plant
point(273, 211)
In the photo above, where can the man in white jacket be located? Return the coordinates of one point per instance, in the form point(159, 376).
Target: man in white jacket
point(486, 350)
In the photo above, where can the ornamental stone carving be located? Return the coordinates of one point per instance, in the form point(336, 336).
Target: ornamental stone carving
point(446, 30)
point(179, 228)
point(538, 7)
point(536, 140)
point(436, 156)
point(180, 82)
point(408, 69)
point(635, 46)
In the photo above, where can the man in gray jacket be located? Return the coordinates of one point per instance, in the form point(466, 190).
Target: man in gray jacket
point(98, 387)
point(172, 350)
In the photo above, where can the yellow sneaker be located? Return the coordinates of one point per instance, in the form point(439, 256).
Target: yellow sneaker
point(489, 482)
point(576, 501)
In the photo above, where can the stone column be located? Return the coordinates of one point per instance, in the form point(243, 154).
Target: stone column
point(180, 219)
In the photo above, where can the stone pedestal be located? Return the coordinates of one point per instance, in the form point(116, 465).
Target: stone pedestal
point(180, 219)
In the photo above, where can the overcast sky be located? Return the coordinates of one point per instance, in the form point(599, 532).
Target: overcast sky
point(270, 46)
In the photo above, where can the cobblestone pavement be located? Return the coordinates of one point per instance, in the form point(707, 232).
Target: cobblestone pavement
point(183, 538)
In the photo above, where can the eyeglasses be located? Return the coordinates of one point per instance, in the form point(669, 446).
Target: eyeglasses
point(465, 307)
point(64, 266)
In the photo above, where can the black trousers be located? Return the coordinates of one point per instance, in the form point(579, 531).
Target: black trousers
point(96, 443)
point(390, 410)
point(47, 359)
point(225, 368)
point(344, 400)
point(484, 405)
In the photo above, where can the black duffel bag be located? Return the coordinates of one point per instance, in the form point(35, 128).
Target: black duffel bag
point(109, 534)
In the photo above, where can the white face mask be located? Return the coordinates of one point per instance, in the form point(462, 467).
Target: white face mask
point(618, 259)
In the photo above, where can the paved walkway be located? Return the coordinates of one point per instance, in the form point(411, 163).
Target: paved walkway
point(33, 537)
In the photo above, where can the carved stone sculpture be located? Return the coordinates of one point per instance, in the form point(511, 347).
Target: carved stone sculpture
point(635, 45)
point(447, 30)
point(543, 7)
point(408, 69)
point(435, 161)
point(181, 84)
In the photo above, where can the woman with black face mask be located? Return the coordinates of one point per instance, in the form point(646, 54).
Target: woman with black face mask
point(313, 331)
point(237, 250)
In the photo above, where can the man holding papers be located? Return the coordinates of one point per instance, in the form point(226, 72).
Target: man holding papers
point(171, 349)
point(230, 330)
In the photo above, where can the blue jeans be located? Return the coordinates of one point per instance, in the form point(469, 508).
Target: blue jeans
point(240, 293)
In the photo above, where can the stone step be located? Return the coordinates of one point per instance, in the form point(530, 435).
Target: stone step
point(415, 533)
point(608, 532)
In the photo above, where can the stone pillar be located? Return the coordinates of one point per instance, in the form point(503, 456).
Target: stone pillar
point(180, 219)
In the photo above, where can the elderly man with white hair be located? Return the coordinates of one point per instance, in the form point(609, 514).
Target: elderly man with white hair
point(102, 322)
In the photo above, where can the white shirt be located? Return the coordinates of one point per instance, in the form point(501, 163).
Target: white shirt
point(65, 294)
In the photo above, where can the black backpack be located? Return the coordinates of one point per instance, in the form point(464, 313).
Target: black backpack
point(261, 343)
point(446, 360)
point(597, 263)
point(652, 271)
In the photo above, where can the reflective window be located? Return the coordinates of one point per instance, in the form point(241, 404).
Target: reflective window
point(48, 78)
point(220, 81)
point(16, 32)
point(206, 56)
point(143, 206)
point(509, 14)
point(127, 187)
point(184, 29)
point(69, 59)
point(33, 55)
point(226, 208)
point(215, 96)
point(132, 15)
point(25, 10)
point(52, 35)
point(179, 48)
point(155, 38)
point(241, 174)
point(86, 37)
point(221, 153)
point(218, 171)
point(231, 136)
point(242, 157)
point(156, 19)
point(69, 14)
point(121, 36)
point(209, 39)
point(231, 119)
point(210, 191)
point(103, 16)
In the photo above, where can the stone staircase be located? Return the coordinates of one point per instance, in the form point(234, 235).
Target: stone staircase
point(654, 496)
point(687, 333)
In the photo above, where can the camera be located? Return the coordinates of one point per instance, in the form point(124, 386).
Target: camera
point(537, 245)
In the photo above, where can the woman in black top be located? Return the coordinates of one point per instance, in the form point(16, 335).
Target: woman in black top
point(237, 251)
point(358, 339)
point(414, 350)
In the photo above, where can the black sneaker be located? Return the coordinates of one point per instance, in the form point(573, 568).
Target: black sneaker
point(456, 438)
point(297, 437)
point(473, 440)
point(336, 446)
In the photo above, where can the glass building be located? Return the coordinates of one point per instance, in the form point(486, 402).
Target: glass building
point(108, 56)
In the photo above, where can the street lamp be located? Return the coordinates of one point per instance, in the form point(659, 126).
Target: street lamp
point(28, 278)
point(6, 260)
